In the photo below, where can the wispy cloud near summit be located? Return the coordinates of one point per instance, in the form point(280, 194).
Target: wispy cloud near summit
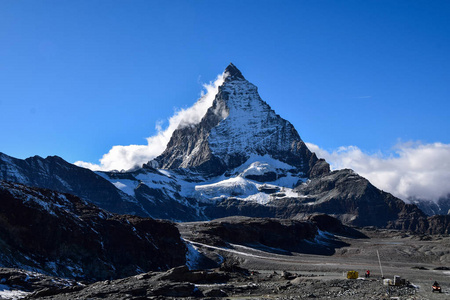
point(131, 156)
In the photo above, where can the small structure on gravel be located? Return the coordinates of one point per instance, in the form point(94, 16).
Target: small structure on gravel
point(397, 281)
point(352, 275)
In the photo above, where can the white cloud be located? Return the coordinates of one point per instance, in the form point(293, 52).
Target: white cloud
point(128, 157)
point(413, 170)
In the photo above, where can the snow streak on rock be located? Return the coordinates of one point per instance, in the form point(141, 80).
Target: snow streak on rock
point(249, 124)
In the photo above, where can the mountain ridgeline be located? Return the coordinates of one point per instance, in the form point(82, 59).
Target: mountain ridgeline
point(241, 159)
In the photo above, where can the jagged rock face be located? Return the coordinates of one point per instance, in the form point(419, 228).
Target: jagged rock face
point(62, 235)
point(353, 198)
point(238, 124)
point(410, 220)
point(431, 208)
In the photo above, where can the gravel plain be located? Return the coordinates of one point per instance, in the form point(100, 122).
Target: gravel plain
point(419, 259)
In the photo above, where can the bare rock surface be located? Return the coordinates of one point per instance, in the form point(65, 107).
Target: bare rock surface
point(273, 235)
point(62, 235)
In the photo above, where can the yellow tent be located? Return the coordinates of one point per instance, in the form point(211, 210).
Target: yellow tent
point(352, 275)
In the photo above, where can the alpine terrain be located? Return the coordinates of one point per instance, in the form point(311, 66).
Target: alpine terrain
point(258, 216)
point(240, 159)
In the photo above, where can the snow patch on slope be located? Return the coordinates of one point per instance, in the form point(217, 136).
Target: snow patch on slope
point(126, 185)
point(260, 165)
point(193, 256)
point(7, 292)
point(235, 186)
point(191, 185)
point(250, 190)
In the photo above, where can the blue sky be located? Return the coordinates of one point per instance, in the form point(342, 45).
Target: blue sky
point(78, 77)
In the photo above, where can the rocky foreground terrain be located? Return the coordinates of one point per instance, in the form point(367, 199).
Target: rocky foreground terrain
point(243, 272)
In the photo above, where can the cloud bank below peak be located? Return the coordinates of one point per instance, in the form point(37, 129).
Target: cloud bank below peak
point(132, 156)
point(412, 171)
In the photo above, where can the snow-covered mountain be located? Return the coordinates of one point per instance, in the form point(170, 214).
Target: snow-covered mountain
point(244, 159)
point(238, 125)
point(240, 159)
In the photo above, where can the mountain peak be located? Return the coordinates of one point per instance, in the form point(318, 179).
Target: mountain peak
point(239, 124)
point(233, 72)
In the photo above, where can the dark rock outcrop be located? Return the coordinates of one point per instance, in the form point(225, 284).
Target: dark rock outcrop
point(353, 199)
point(273, 235)
point(335, 226)
point(438, 224)
point(59, 234)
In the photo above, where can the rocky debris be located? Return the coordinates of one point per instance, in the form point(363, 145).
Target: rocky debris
point(183, 274)
point(27, 282)
point(287, 275)
point(232, 265)
point(256, 286)
point(175, 283)
point(442, 269)
point(62, 235)
point(216, 293)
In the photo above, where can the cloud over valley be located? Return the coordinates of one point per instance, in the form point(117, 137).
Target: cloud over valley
point(413, 170)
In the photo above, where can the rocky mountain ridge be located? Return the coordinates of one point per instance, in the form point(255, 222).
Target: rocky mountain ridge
point(57, 174)
point(61, 235)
